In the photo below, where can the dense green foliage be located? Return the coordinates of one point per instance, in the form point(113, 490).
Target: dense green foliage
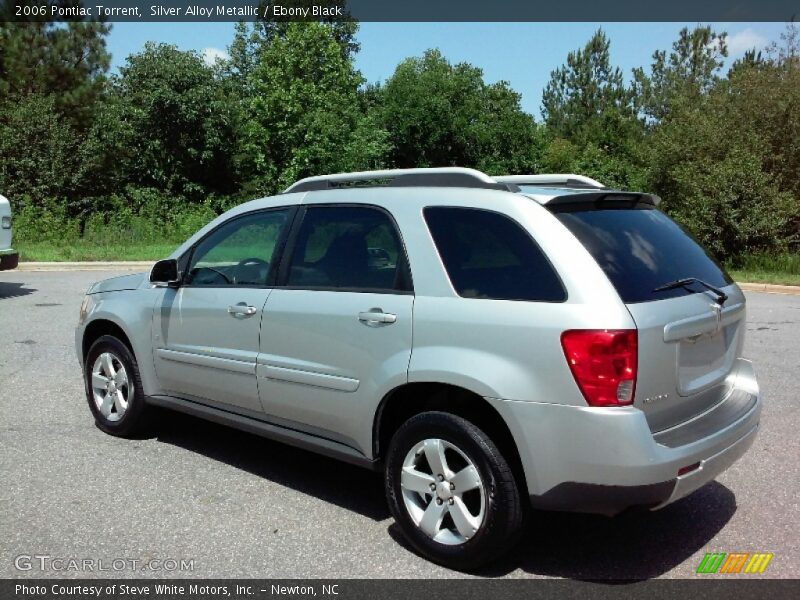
point(147, 155)
point(302, 114)
point(438, 114)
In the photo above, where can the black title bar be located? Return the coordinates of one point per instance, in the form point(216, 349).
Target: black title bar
point(715, 588)
point(405, 10)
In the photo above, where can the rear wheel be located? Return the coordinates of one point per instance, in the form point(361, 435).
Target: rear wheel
point(451, 491)
point(114, 388)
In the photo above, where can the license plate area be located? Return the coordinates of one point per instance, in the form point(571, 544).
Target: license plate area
point(706, 359)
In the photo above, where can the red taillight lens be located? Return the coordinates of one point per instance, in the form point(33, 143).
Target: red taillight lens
point(603, 362)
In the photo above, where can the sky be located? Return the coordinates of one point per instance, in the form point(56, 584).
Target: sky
point(523, 54)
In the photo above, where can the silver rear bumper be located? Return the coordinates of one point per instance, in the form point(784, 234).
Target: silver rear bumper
point(607, 459)
point(709, 468)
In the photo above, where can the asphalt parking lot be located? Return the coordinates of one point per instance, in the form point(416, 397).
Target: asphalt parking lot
point(241, 506)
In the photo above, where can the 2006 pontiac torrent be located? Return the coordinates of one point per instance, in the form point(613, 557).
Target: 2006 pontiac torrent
point(490, 344)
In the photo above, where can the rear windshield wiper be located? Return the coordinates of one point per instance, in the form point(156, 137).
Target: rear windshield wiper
point(687, 281)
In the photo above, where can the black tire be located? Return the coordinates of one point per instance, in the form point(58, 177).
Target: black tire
point(503, 515)
point(136, 418)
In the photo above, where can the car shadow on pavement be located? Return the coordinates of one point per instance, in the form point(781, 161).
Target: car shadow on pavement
point(12, 289)
point(348, 486)
point(633, 546)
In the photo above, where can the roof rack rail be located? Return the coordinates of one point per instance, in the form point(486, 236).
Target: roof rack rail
point(433, 177)
point(568, 180)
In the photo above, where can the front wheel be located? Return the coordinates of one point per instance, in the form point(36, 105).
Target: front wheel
point(114, 387)
point(451, 491)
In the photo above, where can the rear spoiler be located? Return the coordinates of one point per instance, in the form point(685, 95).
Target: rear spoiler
point(602, 200)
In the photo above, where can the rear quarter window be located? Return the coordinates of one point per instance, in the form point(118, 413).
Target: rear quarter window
point(640, 249)
point(488, 255)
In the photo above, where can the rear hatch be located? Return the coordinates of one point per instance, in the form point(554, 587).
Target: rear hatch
point(688, 337)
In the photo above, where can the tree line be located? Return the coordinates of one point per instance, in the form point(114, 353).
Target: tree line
point(169, 141)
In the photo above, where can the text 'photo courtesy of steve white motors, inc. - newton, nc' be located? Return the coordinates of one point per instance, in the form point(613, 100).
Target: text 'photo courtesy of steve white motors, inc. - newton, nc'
point(141, 589)
point(265, 11)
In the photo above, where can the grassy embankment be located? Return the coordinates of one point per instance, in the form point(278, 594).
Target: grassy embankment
point(82, 251)
point(782, 269)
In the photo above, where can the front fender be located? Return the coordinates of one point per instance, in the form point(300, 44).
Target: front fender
point(132, 312)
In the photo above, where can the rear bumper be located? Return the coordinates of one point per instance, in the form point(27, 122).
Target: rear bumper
point(710, 467)
point(9, 259)
point(605, 460)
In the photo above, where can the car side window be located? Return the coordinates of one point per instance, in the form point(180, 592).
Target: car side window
point(488, 255)
point(348, 247)
point(238, 252)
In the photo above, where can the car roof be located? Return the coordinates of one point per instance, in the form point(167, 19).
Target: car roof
point(542, 188)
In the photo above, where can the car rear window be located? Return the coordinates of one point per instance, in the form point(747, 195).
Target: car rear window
point(641, 249)
point(488, 255)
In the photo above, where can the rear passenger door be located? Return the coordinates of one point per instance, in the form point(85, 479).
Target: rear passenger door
point(336, 334)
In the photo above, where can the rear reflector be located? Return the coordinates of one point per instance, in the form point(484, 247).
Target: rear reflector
point(603, 362)
point(688, 469)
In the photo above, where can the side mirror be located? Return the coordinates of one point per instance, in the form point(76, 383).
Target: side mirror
point(165, 273)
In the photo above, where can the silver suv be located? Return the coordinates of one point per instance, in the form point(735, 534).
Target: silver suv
point(490, 344)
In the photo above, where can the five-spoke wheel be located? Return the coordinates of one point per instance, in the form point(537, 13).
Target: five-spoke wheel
point(451, 491)
point(111, 387)
point(114, 388)
point(442, 491)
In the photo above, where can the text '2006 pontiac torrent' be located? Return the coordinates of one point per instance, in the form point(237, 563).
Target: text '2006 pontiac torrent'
point(491, 344)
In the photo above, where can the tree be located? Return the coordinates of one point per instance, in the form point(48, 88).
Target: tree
point(342, 28)
point(66, 60)
point(690, 70)
point(586, 100)
point(726, 156)
point(250, 39)
point(440, 114)
point(42, 156)
point(303, 116)
point(764, 96)
point(613, 169)
point(726, 199)
point(169, 122)
point(751, 58)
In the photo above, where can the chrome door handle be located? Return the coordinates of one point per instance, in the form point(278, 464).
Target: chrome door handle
point(376, 316)
point(242, 310)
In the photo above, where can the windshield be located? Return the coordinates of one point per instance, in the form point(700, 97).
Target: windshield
point(641, 249)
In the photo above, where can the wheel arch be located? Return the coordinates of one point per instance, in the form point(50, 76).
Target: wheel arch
point(409, 399)
point(97, 329)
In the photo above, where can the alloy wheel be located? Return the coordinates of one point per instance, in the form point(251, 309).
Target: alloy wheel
point(111, 389)
point(443, 491)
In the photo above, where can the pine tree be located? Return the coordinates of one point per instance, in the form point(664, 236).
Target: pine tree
point(66, 60)
point(688, 72)
point(586, 100)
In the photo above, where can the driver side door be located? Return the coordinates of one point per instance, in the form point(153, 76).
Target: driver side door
point(206, 332)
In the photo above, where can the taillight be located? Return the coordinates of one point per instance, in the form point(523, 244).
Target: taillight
point(603, 362)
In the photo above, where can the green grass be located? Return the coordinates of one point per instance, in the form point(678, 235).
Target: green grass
point(782, 269)
point(764, 277)
point(85, 251)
